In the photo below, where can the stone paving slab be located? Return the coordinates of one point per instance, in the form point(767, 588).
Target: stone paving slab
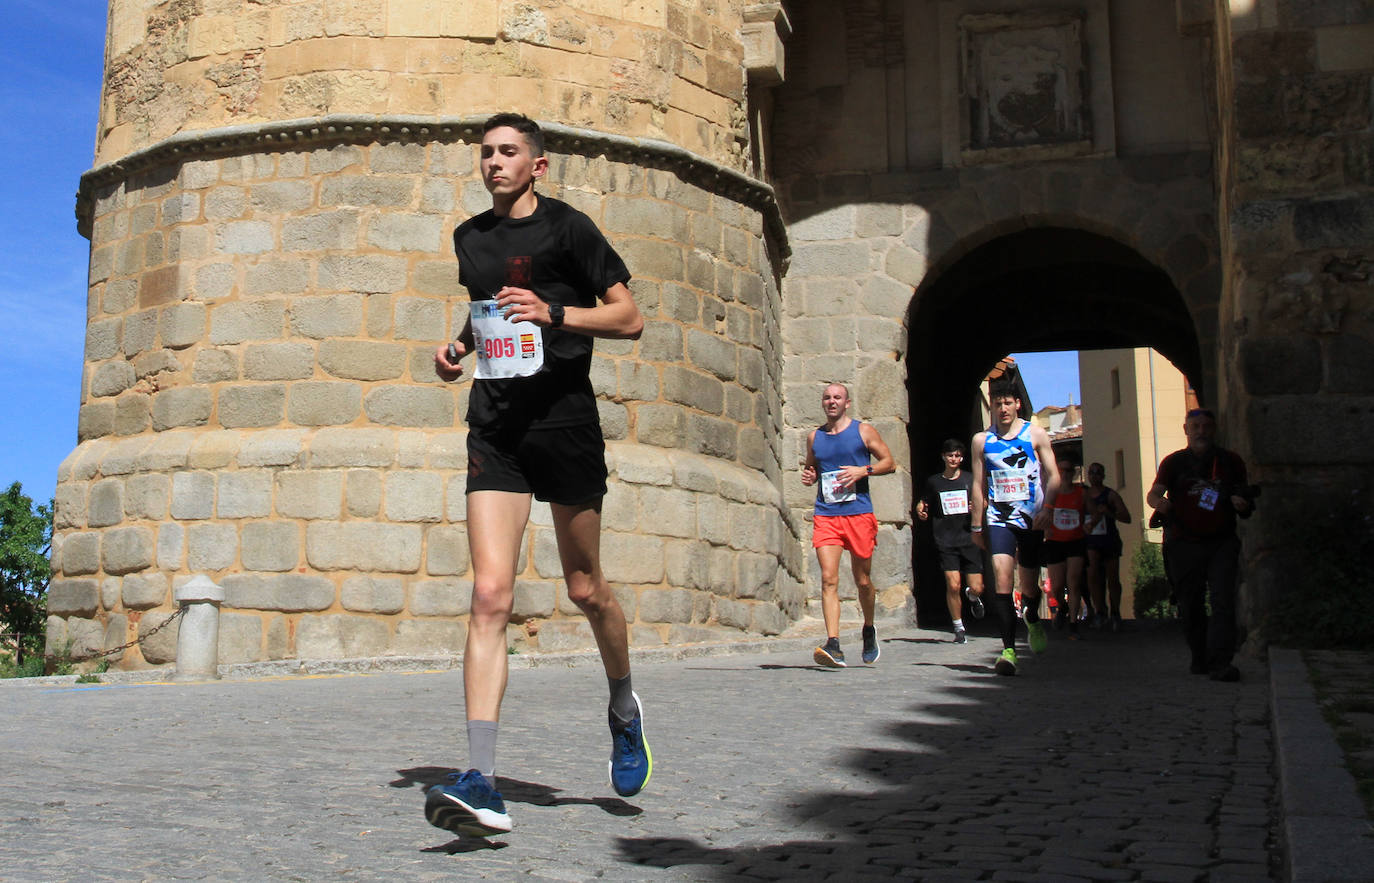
point(1103, 760)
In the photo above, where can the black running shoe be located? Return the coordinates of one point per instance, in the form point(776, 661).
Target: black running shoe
point(960, 636)
point(871, 650)
point(975, 604)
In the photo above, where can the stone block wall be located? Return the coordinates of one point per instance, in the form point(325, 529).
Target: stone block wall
point(665, 69)
point(259, 405)
point(1300, 344)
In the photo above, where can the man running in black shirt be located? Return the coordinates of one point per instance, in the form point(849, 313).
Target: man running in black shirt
point(543, 283)
point(945, 504)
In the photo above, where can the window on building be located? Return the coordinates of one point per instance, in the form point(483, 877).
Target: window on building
point(1120, 469)
point(1116, 387)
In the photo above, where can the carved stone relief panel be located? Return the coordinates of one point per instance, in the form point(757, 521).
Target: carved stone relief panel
point(1023, 80)
point(1023, 84)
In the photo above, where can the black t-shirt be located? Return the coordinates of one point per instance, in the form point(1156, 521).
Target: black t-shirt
point(951, 530)
point(1199, 491)
point(557, 253)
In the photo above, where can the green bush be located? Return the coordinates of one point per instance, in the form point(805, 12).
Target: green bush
point(1151, 586)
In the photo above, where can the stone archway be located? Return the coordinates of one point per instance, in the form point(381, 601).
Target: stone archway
point(1044, 288)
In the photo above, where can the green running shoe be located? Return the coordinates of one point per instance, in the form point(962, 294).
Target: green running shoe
point(1006, 663)
point(1036, 637)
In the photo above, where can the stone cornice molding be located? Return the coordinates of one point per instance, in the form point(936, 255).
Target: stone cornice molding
point(369, 128)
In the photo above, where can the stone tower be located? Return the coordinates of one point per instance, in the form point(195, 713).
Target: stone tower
point(269, 215)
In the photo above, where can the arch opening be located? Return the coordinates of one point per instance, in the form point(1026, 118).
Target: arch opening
point(1042, 289)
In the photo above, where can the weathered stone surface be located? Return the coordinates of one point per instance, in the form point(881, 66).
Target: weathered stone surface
point(440, 597)
point(270, 546)
point(325, 317)
point(324, 403)
point(251, 406)
point(391, 548)
point(409, 406)
point(1333, 427)
point(189, 406)
point(211, 546)
point(362, 360)
point(284, 591)
point(564, 635)
point(73, 597)
point(373, 594)
point(141, 591)
point(278, 361)
point(193, 495)
point(415, 637)
point(244, 494)
point(1281, 365)
point(1346, 222)
point(240, 638)
point(335, 636)
point(160, 647)
point(126, 549)
point(628, 558)
point(106, 504)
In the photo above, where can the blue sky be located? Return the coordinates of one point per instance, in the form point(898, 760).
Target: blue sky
point(51, 56)
point(51, 59)
point(1050, 377)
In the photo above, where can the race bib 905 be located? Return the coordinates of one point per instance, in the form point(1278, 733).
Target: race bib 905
point(504, 348)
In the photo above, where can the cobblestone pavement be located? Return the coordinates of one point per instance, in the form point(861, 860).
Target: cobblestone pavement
point(1103, 760)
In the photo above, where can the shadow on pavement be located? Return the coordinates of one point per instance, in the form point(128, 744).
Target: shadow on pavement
point(1099, 761)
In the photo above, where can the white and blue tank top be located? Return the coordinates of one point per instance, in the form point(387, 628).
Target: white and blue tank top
point(844, 448)
point(1012, 475)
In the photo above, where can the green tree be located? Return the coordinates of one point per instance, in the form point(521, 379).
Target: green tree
point(25, 540)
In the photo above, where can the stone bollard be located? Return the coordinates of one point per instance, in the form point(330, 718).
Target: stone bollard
point(198, 633)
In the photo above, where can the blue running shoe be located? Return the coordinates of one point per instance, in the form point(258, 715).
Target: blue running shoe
point(468, 806)
point(631, 761)
point(871, 649)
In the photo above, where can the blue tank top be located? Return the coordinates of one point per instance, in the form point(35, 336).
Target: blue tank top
point(844, 448)
point(1012, 475)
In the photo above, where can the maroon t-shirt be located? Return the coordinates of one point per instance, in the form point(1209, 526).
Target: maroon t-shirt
point(1199, 489)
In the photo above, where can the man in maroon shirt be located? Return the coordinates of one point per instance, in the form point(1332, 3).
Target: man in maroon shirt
point(1200, 491)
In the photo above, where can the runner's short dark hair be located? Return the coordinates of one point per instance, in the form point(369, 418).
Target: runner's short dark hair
point(953, 444)
point(534, 135)
point(1002, 387)
point(1201, 412)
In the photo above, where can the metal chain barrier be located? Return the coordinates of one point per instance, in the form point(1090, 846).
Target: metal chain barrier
point(122, 647)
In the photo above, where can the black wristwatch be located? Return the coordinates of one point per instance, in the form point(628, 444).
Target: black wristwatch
point(555, 315)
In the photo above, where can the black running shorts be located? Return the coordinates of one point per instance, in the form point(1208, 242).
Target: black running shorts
point(566, 465)
point(964, 559)
point(1059, 551)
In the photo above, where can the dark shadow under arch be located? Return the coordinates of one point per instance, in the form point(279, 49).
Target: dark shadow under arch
point(1051, 288)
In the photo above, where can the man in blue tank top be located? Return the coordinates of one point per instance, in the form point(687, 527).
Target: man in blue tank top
point(1015, 482)
point(840, 457)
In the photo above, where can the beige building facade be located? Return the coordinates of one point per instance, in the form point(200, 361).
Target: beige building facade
point(1134, 404)
point(892, 195)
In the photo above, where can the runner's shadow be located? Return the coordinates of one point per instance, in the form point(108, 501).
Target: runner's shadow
point(461, 845)
point(516, 791)
point(916, 640)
